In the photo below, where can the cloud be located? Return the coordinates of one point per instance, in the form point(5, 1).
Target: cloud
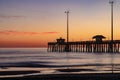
point(50, 32)
point(11, 16)
point(11, 32)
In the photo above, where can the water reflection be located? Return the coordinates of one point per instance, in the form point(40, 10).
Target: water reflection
point(50, 63)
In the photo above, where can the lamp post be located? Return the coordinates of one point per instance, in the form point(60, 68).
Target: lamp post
point(67, 45)
point(111, 2)
point(111, 46)
point(67, 13)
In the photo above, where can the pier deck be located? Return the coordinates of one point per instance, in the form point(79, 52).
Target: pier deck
point(85, 46)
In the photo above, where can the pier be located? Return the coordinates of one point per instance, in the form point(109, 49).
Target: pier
point(98, 45)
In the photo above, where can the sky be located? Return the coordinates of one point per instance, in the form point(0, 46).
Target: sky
point(34, 23)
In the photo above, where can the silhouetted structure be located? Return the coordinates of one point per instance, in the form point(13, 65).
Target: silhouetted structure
point(67, 48)
point(99, 38)
point(60, 40)
point(98, 45)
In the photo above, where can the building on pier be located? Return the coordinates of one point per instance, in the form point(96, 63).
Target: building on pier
point(97, 46)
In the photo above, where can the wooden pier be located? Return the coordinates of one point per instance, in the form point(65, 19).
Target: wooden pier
point(96, 46)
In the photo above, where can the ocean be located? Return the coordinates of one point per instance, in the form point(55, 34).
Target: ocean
point(38, 59)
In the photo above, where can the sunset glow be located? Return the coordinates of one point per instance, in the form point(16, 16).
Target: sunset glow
point(33, 23)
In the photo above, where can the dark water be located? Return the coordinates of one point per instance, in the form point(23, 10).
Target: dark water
point(49, 63)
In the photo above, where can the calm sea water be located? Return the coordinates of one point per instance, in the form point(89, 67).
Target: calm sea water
point(100, 62)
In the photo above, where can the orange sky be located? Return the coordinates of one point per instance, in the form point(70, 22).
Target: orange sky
point(34, 23)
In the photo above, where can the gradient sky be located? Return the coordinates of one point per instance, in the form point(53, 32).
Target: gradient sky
point(33, 23)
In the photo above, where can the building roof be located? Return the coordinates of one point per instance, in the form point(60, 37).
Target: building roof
point(98, 36)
